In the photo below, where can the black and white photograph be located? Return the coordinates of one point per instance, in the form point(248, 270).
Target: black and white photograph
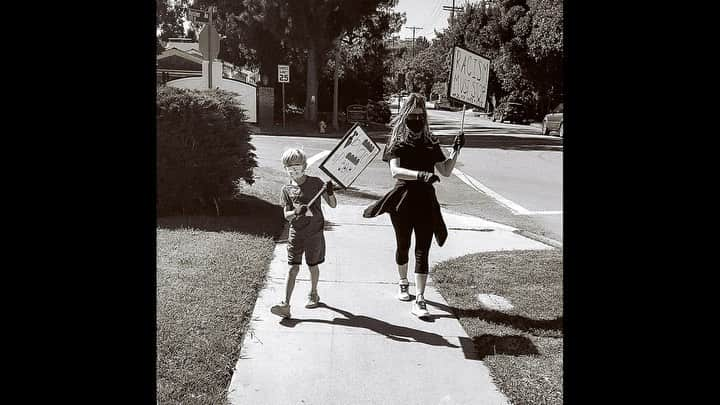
point(359, 202)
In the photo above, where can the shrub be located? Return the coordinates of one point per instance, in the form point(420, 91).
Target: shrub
point(378, 111)
point(203, 149)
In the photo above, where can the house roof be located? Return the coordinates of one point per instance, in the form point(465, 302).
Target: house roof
point(182, 45)
point(191, 52)
point(180, 53)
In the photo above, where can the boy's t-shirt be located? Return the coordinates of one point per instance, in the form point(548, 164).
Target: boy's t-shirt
point(292, 195)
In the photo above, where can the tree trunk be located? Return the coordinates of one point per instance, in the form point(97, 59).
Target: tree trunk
point(312, 83)
point(335, 90)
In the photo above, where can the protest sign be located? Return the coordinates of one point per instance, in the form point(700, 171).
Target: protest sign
point(469, 74)
point(350, 157)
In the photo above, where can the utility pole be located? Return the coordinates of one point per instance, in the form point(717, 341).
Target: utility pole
point(452, 11)
point(210, 50)
point(413, 38)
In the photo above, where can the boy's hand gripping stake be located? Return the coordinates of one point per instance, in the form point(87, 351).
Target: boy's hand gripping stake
point(308, 213)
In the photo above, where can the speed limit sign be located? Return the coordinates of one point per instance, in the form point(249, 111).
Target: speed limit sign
point(283, 74)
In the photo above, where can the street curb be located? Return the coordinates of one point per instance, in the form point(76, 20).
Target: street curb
point(539, 238)
point(375, 136)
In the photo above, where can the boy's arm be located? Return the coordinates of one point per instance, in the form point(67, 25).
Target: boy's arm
point(289, 210)
point(291, 214)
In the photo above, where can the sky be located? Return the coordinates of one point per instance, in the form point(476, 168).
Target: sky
point(428, 14)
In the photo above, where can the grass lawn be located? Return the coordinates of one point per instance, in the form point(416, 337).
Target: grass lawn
point(522, 346)
point(209, 272)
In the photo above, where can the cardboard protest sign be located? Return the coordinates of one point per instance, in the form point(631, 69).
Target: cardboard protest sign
point(350, 157)
point(469, 74)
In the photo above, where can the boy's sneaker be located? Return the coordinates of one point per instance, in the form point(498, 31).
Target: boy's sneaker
point(282, 309)
point(404, 294)
point(313, 300)
point(419, 309)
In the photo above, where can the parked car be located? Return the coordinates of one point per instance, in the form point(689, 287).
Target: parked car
point(511, 112)
point(553, 121)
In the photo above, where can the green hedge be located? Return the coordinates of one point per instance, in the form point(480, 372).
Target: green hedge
point(203, 149)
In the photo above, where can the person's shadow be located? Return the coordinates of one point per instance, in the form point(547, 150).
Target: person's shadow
point(393, 332)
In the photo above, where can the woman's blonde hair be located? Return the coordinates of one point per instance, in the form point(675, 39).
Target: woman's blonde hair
point(399, 131)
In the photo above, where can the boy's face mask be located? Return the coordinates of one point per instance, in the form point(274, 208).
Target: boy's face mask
point(295, 171)
point(415, 122)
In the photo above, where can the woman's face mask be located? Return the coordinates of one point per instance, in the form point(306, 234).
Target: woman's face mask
point(295, 171)
point(415, 122)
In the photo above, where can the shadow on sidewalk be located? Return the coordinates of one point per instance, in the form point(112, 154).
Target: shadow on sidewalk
point(485, 345)
point(479, 347)
point(393, 332)
point(515, 321)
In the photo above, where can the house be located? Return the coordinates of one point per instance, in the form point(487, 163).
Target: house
point(181, 65)
point(182, 58)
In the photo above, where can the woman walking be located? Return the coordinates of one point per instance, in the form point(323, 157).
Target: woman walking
point(413, 154)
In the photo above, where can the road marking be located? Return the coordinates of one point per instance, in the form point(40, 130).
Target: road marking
point(317, 157)
point(516, 209)
point(546, 212)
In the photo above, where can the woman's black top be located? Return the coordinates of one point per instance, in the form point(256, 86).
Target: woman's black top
point(413, 198)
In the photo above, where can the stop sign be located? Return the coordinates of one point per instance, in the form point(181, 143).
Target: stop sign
point(211, 48)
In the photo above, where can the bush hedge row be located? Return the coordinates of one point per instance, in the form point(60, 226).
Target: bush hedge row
point(203, 149)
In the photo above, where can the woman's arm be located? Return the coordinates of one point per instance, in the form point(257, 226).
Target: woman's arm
point(400, 172)
point(446, 167)
point(330, 199)
point(289, 215)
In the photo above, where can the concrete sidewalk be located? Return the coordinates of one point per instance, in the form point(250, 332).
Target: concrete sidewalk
point(362, 346)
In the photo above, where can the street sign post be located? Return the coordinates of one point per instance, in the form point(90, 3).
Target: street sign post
point(469, 74)
point(198, 16)
point(283, 77)
point(284, 73)
point(209, 42)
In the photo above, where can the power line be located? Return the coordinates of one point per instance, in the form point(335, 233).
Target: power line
point(413, 38)
point(432, 19)
point(452, 11)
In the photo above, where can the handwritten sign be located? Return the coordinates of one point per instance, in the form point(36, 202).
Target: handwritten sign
point(350, 157)
point(469, 74)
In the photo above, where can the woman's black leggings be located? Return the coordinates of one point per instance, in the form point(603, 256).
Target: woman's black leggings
point(404, 226)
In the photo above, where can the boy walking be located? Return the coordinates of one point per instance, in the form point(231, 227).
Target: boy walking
point(306, 226)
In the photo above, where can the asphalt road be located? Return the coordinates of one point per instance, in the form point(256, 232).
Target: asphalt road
point(517, 183)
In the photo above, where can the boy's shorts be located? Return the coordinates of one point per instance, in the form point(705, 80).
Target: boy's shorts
point(313, 246)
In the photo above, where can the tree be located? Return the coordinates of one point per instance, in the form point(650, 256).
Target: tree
point(360, 58)
point(191, 34)
point(421, 43)
point(170, 18)
point(523, 40)
point(422, 77)
point(312, 26)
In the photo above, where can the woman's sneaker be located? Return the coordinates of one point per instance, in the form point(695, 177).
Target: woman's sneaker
point(313, 300)
point(419, 309)
point(282, 309)
point(404, 295)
